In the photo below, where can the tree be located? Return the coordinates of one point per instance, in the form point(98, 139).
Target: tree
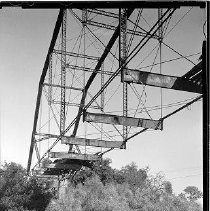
point(102, 169)
point(168, 187)
point(192, 193)
point(19, 192)
point(130, 189)
point(133, 176)
point(39, 194)
point(12, 186)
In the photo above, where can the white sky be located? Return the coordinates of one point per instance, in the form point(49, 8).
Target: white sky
point(24, 39)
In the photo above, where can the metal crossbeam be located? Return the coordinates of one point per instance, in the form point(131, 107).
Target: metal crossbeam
point(195, 70)
point(91, 142)
point(121, 120)
point(74, 156)
point(76, 67)
point(74, 104)
point(103, 4)
point(102, 12)
point(83, 141)
point(159, 80)
point(111, 27)
point(47, 135)
point(76, 55)
point(59, 86)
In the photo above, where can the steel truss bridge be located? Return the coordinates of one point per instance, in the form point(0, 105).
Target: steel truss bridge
point(103, 80)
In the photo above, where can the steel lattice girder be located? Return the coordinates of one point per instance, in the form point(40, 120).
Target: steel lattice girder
point(91, 142)
point(74, 156)
point(159, 80)
point(121, 120)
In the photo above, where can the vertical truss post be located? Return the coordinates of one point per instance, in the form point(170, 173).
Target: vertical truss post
point(122, 59)
point(102, 83)
point(49, 93)
point(63, 72)
point(160, 35)
point(102, 97)
point(84, 24)
point(50, 80)
point(84, 17)
point(206, 123)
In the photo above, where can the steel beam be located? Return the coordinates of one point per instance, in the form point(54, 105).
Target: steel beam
point(76, 55)
point(74, 104)
point(91, 142)
point(123, 54)
point(103, 4)
point(59, 86)
point(47, 135)
point(83, 141)
point(103, 12)
point(42, 78)
point(159, 80)
point(63, 73)
point(74, 156)
point(76, 67)
point(111, 27)
point(50, 80)
point(121, 120)
point(194, 71)
point(206, 123)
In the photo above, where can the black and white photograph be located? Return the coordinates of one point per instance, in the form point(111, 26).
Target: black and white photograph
point(104, 106)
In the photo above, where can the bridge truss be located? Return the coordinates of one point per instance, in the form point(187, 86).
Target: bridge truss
point(104, 81)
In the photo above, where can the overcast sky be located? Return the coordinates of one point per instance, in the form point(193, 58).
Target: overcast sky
point(24, 39)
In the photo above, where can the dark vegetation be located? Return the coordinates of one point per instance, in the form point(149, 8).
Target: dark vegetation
point(100, 189)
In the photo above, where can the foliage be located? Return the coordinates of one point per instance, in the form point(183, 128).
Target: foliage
point(45, 162)
point(98, 189)
point(192, 193)
point(93, 195)
point(102, 169)
point(136, 178)
point(107, 189)
point(19, 192)
point(168, 187)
